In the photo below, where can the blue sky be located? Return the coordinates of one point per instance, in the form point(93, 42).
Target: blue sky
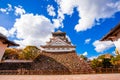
point(30, 22)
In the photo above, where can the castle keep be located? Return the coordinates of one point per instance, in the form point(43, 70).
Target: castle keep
point(58, 43)
point(58, 56)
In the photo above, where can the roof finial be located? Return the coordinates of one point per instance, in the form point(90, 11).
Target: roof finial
point(59, 30)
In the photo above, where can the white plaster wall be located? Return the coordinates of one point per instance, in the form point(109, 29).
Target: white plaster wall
point(117, 45)
point(2, 49)
point(59, 49)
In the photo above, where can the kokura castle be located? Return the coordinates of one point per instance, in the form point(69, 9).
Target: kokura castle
point(58, 56)
point(58, 43)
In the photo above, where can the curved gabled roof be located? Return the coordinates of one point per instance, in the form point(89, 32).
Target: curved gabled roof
point(4, 39)
point(112, 33)
point(2, 36)
point(58, 32)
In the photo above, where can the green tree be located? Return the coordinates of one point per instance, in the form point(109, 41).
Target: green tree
point(30, 52)
point(21, 55)
point(96, 63)
point(116, 60)
point(83, 57)
point(107, 55)
point(106, 63)
point(102, 61)
point(10, 53)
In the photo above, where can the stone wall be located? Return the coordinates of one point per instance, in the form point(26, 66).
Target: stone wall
point(51, 63)
point(68, 62)
point(15, 66)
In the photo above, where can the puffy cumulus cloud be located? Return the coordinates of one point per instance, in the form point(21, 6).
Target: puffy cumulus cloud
point(6, 10)
point(90, 11)
point(19, 10)
point(59, 21)
point(3, 10)
point(85, 53)
point(30, 41)
point(92, 57)
point(9, 7)
point(28, 29)
point(4, 31)
point(87, 41)
point(50, 10)
point(113, 52)
point(101, 46)
point(7, 33)
point(32, 29)
point(64, 8)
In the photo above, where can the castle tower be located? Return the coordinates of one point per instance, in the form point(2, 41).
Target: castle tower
point(58, 43)
point(59, 57)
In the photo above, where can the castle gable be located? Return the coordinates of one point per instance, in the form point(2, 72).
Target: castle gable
point(58, 42)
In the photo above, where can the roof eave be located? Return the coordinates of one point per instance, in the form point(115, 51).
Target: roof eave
point(111, 33)
point(10, 43)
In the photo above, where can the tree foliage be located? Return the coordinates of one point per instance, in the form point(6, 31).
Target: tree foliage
point(10, 53)
point(30, 52)
point(83, 57)
point(103, 61)
point(116, 60)
point(106, 63)
point(96, 63)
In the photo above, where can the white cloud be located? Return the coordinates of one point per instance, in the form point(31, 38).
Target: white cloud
point(87, 41)
point(3, 10)
point(9, 7)
point(56, 23)
point(32, 29)
point(89, 11)
point(6, 10)
point(114, 53)
point(19, 10)
point(92, 57)
point(7, 33)
point(4, 31)
point(50, 10)
point(101, 46)
point(85, 53)
point(64, 8)
point(60, 17)
point(29, 29)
